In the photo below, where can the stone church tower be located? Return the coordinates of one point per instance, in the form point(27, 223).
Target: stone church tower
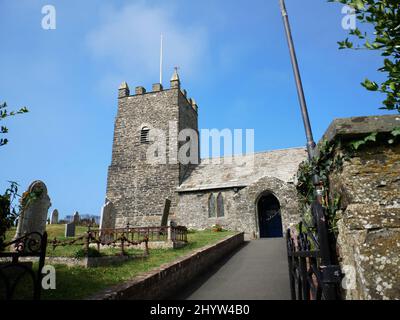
point(136, 186)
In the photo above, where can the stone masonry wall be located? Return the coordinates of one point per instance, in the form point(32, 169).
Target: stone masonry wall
point(369, 224)
point(137, 188)
point(164, 282)
point(369, 230)
point(240, 207)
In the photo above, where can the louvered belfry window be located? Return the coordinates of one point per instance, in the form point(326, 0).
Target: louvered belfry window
point(145, 135)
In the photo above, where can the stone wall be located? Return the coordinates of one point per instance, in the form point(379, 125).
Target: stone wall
point(136, 187)
point(241, 180)
point(164, 282)
point(369, 224)
point(240, 206)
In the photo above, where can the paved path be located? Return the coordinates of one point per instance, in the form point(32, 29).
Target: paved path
point(257, 271)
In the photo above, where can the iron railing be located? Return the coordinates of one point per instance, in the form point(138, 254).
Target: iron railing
point(123, 238)
point(14, 273)
point(116, 238)
point(313, 272)
point(172, 233)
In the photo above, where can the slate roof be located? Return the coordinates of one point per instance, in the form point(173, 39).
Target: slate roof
point(218, 173)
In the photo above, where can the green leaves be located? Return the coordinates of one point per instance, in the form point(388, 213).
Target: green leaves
point(384, 17)
point(8, 213)
point(359, 4)
point(4, 113)
point(358, 143)
point(396, 132)
point(391, 138)
point(346, 44)
point(369, 85)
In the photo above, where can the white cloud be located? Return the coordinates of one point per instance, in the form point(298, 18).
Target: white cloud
point(128, 40)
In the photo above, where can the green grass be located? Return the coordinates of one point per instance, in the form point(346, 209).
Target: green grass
point(56, 231)
point(78, 282)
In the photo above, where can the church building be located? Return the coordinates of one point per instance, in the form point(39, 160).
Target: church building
point(254, 193)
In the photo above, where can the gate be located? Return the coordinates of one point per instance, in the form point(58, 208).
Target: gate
point(14, 272)
point(312, 270)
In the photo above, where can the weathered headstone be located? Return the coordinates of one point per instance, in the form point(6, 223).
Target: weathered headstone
point(107, 221)
point(33, 216)
point(70, 230)
point(54, 217)
point(171, 231)
point(164, 219)
point(77, 218)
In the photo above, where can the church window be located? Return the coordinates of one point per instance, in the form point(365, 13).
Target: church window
point(145, 135)
point(211, 206)
point(220, 205)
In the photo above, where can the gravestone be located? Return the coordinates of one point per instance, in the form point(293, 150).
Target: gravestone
point(70, 230)
point(107, 221)
point(76, 218)
point(33, 216)
point(54, 217)
point(164, 219)
point(171, 232)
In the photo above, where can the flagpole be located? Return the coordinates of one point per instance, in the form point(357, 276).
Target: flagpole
point(161, 59)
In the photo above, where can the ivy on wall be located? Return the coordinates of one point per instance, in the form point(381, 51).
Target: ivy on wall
point(331, 157)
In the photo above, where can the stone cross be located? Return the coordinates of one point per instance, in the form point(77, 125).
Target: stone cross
point(33, 216)
point(54, 217)
point(107, 221)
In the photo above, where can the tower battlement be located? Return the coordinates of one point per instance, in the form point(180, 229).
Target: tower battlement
point(175, 84)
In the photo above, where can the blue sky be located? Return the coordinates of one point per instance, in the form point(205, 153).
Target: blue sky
point(233, 60)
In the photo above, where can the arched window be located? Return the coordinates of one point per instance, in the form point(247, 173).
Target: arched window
point(220, 205)
point(145, 135)
point(211, 206)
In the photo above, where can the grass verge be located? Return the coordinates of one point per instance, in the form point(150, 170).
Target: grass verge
point(78, 283)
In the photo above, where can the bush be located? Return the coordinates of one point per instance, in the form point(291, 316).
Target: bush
point(8, 213)
point(92, 253)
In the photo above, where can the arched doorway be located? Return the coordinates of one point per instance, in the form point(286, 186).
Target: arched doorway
point(269, 216)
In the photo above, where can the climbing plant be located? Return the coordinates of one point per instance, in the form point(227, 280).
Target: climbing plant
point(327, 161)
point(331, 157)
point(11, 205)
point(8, 211)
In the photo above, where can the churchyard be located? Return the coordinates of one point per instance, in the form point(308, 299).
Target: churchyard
point(79, 283)
point(320, 222)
